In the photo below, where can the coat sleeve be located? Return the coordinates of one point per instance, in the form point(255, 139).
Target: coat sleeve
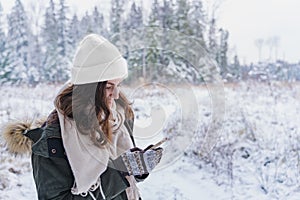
point(113, 182)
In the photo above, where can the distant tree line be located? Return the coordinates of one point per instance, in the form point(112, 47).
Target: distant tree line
point(271, 71)
point(31, 53)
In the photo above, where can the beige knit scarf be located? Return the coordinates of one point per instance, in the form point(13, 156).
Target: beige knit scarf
point(88, 161)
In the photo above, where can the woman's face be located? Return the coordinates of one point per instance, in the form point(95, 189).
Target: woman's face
point(112, 90)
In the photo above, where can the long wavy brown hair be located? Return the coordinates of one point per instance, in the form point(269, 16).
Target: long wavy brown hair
point(86, 104)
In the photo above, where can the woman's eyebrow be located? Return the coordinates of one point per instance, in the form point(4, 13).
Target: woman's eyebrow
point(111, 83)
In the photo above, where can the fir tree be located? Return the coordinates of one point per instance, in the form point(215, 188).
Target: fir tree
point(86, 24)
point(168, 23)
point(154, 18)
point(98, 23)
point(167, 15)
point(2, 34)
point(5, 64)
point(197, 20)
point(74, 30)
point(135, 19)
point(36, 55)
point(236, 69)
point(50, 41)
point(116, 22)
point(181, 17)
point(152, 53)
point(222, 52)
point(133, 25)
point(181, 24)
point(62, 29)
point(64, 44)
point(18, 41)
point(212, 38)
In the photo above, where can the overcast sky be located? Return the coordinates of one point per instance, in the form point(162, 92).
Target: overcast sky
point(246, 21)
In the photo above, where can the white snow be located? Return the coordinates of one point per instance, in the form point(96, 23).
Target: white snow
point(256, 155)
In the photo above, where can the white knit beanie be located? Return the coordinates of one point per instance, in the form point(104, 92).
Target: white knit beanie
point(97, 60)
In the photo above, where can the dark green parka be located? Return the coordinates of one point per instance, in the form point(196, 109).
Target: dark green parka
point(52, 172)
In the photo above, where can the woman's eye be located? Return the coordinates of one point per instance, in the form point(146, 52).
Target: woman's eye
point(108, 88)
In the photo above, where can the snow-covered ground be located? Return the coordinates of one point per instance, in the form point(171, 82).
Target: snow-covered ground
point(256, 154)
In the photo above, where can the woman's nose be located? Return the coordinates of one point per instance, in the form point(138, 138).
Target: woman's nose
point(115, 93)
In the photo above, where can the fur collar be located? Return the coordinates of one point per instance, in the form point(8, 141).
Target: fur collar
point(16, 141)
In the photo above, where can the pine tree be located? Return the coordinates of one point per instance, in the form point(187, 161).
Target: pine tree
point(36, 48)
point(4, 54)
point(212, 38)
point(86, 25)
point(50, 41)
point(152, 53)
point(182, 25)
point(116, 22)
point(64, 57)
point(135, 19)
point(181, 17)
point(18, 40)
point(168, 22)
point(154, 17)
point(62, 29)
point(197, 20)
point(98, 23)
point(74, 33)
point(134, 25)
point(236, 69)
point(222, 52)
point(167, 14)
point(2, 34)
point(36, 55)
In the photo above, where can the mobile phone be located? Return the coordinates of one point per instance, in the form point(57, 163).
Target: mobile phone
point(157, 144)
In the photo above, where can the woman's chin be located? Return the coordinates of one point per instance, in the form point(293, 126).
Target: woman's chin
point(109, 103)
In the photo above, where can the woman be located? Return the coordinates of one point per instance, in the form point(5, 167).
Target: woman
point(85, 149)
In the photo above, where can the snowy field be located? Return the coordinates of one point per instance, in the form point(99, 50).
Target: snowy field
point(256, 154)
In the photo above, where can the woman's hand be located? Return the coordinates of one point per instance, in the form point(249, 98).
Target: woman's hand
point(138, 162)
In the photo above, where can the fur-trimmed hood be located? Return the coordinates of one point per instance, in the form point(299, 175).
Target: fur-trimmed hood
point(13, 135)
